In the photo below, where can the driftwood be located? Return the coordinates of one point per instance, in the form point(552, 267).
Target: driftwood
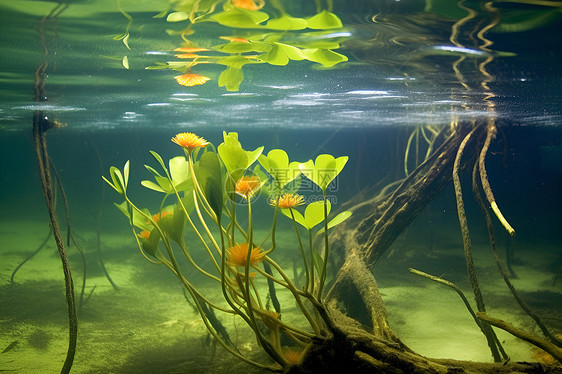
point(359, 339)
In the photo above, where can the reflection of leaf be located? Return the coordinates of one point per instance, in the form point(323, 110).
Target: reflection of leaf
point(240, 18)
point(325, 57)
point(126, 42)
point(324, 20)
point(286, 22)
point(231, 78)
point(177, 17)
point(120, 36)
point(281, 53)
point(241, 47)
point(161, 14)
point(236, 62)
point(125, 62)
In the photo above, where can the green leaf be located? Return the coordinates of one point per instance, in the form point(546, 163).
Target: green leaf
point(161, 14)
point(159, 159)
point(179, 173)
point(336, 220)
point(177, 17)
point(231, 78)
point(286, 23)
point(209, 175)
point(281, 53)
point(179, 169)
point(235, 62)
point(158, 66)
point(150, 245)
point(323, 56)
point(324, 20)
point(314, 213)
point(173, 224)
point(137, 219)
point(276, 56)
point(117, 178)
point(153, 186)
point(234, 158)
point(120, 36)
point(243, 47)
point(240, 18)
point(276, 163)
point(298, 216)
point(323, 171)
point(126, 42)
point(125, 62)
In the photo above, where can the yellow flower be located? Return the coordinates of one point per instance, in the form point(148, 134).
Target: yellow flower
point(247, 186)
point(288, 200)
point(190, 80)
point(189, 141)
point(238, 254)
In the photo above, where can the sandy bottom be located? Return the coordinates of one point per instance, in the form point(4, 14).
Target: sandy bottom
point(148, 327)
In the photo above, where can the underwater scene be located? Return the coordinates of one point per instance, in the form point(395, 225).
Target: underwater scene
point(280, 186)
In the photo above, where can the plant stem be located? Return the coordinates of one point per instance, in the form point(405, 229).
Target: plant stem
point(326, 248)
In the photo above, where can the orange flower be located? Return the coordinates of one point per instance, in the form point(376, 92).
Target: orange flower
point(238, 254)
point(190, 80)
point(145, 234)
point(156, 217)
point(247, 186)
point(191, 49)
point(287, 201)
point(189, 141)
point(248, 4)
point(292, 356)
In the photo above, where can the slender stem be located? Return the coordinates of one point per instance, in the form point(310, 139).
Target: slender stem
point(305, 262)
point(311, 248)
point(326, 247)
point(297, 295)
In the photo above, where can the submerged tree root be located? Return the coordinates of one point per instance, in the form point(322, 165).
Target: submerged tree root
point(361, 340)
point(352, 350)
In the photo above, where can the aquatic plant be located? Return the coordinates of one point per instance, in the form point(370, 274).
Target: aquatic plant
point(208, 186)
point(262, 33)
